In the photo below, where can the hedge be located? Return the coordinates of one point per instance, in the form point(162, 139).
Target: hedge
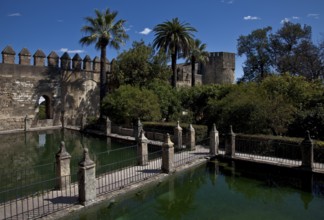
point(168, 127)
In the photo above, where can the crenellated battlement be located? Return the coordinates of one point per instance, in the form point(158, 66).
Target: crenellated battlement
point(52, 60)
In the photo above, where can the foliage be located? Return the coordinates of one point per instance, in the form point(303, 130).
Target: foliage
point(255, 47)
point(168, 127)
point(140, 65)
point(103, 30)
point(198, 54)
point(42, 111)
point(128, 103)
point(174, 38)
point(289, 50)
point(195, 99)
point(168, 99)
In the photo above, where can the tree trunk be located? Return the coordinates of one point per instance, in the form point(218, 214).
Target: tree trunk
point(193, 70)
point(103, 78)
point(174, 70)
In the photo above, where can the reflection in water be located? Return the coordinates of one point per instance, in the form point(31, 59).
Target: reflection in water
point(221, 190)
point(21, 153)
point(41, 140)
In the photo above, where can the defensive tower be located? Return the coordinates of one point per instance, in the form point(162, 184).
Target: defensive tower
point(220, 68)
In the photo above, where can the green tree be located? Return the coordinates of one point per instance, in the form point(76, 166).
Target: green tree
point(168, 99)
point(294, 52)
point(140, 65)
point(289, 50)
point(103, 30)
point(128, 103)
point(174, 37)
point(198, 54)
point(256, 48)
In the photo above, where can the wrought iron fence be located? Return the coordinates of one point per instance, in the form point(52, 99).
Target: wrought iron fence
point(318, 157)
point(269, 150)
point(124, 170)
point(27, 176)
point(37, 199)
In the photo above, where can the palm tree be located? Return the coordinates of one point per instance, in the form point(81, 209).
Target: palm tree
point(174, 38)
point(103, 30)
point(198, 54)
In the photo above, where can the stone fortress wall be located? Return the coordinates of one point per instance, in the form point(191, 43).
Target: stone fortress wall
point(220, 69)
point(69, 85)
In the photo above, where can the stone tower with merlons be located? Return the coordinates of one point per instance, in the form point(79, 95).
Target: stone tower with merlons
point(220, 69)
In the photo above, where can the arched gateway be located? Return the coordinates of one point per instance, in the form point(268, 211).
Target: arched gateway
point(65, 88)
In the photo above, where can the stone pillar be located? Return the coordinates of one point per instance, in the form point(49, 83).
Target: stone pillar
point(307, 150)
point(167, 155)
point(87, 179)
point(191, 138)
point(214, 141)
point(63, 119)
point(108, 126)
point(178, 136)
point(27, 123)
point(83, 122)
point(142, 150)
point(230, 143)
point(63, 173)
point(137, 129)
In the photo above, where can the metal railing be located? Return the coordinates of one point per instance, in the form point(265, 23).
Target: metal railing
point(125, 170)
point(37, 199)
point(268, 150)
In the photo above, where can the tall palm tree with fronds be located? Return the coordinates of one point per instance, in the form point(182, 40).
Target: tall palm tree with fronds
point(174, 38)
point(198, 54)
point(103, 30)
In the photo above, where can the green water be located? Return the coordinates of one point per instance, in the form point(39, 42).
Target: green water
point(28, 158)
point(221, 190)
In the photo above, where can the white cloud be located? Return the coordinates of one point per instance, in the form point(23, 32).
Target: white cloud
point(17, 14)
point(63, 50)
point(128, 28)
point(284, 20)
point(315, 16)
point(249, 17)
point(59, 20)
point(227, 1)
point(146, 31)
point(295, 18)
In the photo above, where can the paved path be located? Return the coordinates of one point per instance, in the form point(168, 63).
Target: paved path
point(283, 162)
point(46, 202)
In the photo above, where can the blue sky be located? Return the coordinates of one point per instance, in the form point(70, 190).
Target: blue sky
point(55, 25)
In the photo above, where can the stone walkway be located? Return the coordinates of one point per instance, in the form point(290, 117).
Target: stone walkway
point(282, 162)
point(44, 203)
